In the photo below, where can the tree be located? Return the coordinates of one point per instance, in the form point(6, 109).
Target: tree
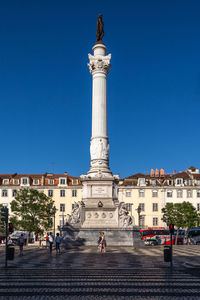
point(32, 211)
point(182, 215)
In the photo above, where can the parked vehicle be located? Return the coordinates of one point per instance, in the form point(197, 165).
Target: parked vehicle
point(193, 236)
point(151, 242)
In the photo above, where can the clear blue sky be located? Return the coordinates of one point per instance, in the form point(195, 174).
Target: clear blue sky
point(153, 85)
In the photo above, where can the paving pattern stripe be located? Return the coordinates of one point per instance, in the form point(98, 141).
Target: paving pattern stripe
point(121, 280)
point(102, 292)
point(96, 285)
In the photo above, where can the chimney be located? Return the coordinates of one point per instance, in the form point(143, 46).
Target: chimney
point(156, 173)
point(65, 173)
point(162, 172)
point(152, 173)
point(42, 181)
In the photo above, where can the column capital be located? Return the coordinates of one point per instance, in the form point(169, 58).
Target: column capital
point(99, 63)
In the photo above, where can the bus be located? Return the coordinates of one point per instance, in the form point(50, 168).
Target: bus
point(161, 234)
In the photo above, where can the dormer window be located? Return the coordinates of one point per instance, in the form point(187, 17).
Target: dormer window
point(75, 181)
point(153, 181)
point(141, 181)
point(179, 181)
point(62, 181)
point(197, 182)
point(188, 182)
point(36, 181)
point(16, 181)
point(5, 181)
point(51, 181)
point(24, 181)
point(170, 182)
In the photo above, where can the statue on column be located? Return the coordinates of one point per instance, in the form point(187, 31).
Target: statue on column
point(100, 32)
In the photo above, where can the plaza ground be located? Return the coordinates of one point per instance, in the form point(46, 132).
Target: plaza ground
point(82, 273)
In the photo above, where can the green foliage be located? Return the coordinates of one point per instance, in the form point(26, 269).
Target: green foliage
point(182, 215)
point(32, 211)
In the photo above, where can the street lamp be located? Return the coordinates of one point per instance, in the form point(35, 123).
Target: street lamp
point(139, 211)
point(54, 222)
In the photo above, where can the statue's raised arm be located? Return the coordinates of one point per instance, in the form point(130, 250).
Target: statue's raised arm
point(100, 32)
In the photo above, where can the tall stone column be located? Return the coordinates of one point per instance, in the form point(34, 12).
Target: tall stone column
point(99, 65)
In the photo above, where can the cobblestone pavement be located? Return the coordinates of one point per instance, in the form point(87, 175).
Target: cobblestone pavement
point(82, 273)
point(114, 258)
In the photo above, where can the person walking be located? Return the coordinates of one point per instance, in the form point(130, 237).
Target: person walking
point(103, 243)
point(58, 241)
point(50, 242)
point(99, 242)
point(21, 244)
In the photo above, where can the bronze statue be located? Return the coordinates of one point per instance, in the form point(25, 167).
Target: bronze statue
point(100, 32)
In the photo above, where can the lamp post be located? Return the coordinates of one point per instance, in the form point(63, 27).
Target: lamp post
point(54, 222)
point(139, 211)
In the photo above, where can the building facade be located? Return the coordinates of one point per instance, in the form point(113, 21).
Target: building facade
point(62, 188)
point(148, 192)
point(151, 192)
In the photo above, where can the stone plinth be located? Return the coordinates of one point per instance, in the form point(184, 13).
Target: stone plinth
point(89, 237)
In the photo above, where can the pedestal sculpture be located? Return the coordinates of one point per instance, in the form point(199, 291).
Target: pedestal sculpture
point(100, 208)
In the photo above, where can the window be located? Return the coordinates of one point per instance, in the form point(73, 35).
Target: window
point(198, 193)
point(61, 221)
point(35, 181)
point(141, 205)
point(198, 182)
point(50, 193)
point(169, 194)
point(62, 180)
point(141, 193)
point(16, 181)
point(14, 193)
point(51, 181)
point(142, 221)
point(188, 182)
point(170, 182)
point(5, 181)
point(4, 193)
point(155, 221)
point(128, 193)
point(198, 206)
point(179, 194)
point(74, 193)
point(153, 181)
point(62, 193)
point(141, 181)
point(62, 207)
point(24, 181)
point(154, 193)
point(155, 206)
point(189, 193)
point(179, 181)
point(75, 181)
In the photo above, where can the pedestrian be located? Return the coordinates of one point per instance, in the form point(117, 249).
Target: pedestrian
point(50, 242)
point(47, 240)
point(58, 241)
point(99, 242)
point(103, 243)
point(40, 240)
point(21, 244)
